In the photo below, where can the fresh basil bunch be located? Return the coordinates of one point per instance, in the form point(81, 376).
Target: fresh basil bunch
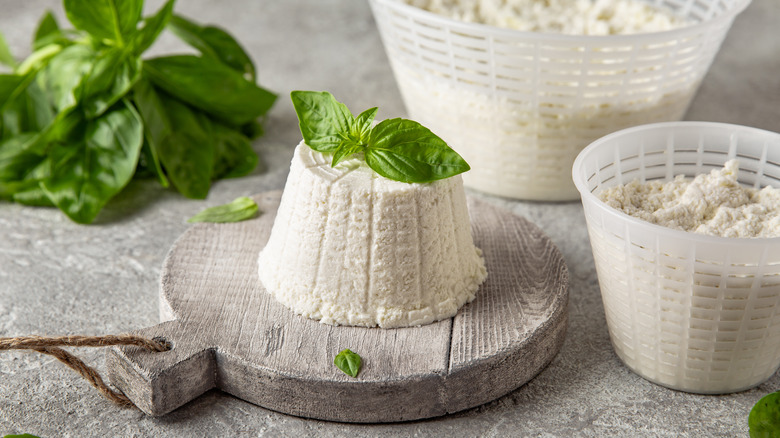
point(84, 113)
point(398, 149)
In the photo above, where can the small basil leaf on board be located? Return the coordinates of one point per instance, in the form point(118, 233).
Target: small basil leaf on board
point(323, 120)
point(764, 418)
point(213, 42)
point(48, 30)
point(64, 73)
point(24, 435)
point(112, 75)
point(96, 163)
point(105, 19)
point(233, 153)
point(240, 209)
point(6, 57)
point(216, 89)
point(404, 150)
point(348, 362)
point(180, 138)
point(152, 28)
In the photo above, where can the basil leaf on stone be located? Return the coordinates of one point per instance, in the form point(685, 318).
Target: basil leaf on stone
point(213, 42)
point(215, 89)
point(64, 73)
point(113, 74)
point(240, 209)
point(6, 57)
point(404, 150)
point(177, 135)
point(47, 32)
point(323, 120)
point(96, 163)
point(152, 28)
point(348, 362)
point(233, 153)
point(105, 19)
point(764, 418)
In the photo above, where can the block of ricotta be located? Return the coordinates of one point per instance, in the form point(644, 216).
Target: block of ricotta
point(349, 247)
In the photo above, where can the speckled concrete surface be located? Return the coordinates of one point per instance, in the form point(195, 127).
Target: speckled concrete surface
point(60, 278)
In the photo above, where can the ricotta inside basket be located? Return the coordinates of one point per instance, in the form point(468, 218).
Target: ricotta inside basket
point(712, 203)
point(349, 247)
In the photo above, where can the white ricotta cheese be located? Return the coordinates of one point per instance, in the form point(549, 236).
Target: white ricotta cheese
point(349, 247)
point(571, 17)
point(520, 113)
point(713, 204)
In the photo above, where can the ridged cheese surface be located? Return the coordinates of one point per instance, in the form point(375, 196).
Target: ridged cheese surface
point(349, 247)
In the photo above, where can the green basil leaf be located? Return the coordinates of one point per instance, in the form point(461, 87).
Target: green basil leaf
point(64, 74)
point(113, 74)
point(40, 58)
point(17, 158)
point(105, 19)
point(213, 42)
point(404, 150)
point(47, 31)
point(348, 362)
point(150, 162)
point(180, 137)
point(323, 120)
point(233, 153)
point(24, 435)
point(25, 109)
point(6, 57)
point(764, 418)
point(12, 85)
point(96, 164)
point(209, 86)
point(152, 28)
point(240, 209)
point(345, 149)
point(30, 193)
point(361, 129)
point(252, 130)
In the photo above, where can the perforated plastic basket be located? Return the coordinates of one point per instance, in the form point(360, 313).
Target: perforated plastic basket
point(689, 311)
point(519, 106)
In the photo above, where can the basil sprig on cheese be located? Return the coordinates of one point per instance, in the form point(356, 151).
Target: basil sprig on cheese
point(398, 149)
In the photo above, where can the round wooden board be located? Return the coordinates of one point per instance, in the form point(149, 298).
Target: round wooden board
point(228, 332)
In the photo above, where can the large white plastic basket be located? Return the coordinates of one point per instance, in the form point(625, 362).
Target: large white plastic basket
point(519, 106)
point(689, 311)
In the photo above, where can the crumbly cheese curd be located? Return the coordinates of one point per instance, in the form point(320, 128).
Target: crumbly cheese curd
point(713, 203)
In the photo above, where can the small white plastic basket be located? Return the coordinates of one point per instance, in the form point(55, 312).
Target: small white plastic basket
point(688, 311)
point(519, 106)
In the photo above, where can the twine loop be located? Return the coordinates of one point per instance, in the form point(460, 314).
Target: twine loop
point(51, 345)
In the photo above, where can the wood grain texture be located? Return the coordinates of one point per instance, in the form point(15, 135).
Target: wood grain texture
point(227, 332)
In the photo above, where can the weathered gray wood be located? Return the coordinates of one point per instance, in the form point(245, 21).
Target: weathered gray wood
point(227, 332)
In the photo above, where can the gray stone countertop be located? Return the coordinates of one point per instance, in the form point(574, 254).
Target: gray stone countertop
point(57, 277)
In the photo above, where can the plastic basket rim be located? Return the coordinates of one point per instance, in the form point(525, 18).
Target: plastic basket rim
point(432, 17)
point(587, 196)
